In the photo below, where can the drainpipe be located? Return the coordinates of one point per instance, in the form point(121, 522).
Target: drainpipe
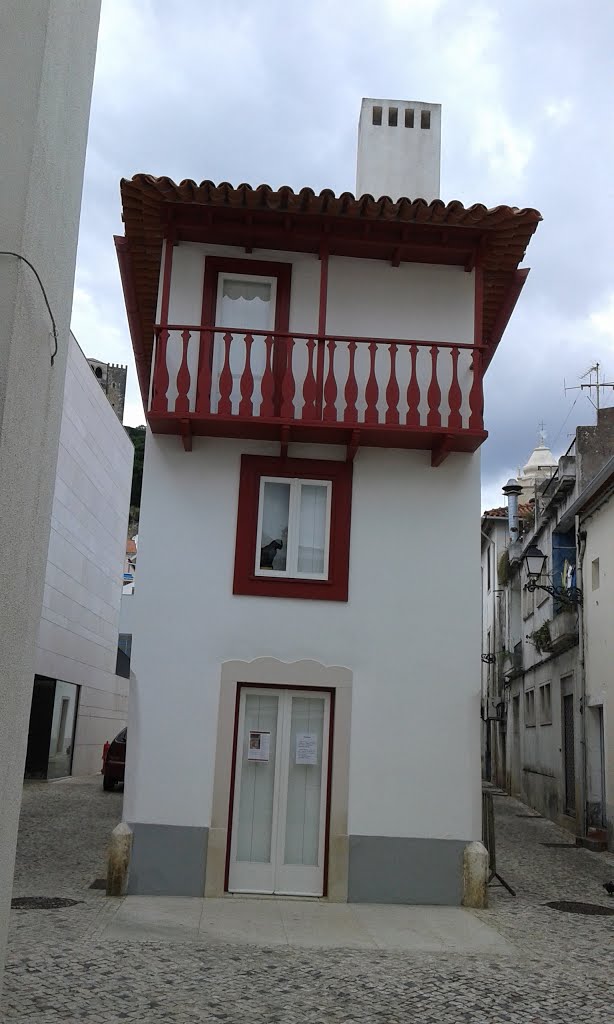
point(512, 492)
point(582, 818)
point(487, 722)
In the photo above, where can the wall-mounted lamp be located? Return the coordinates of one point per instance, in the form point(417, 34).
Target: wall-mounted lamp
point(534, 562)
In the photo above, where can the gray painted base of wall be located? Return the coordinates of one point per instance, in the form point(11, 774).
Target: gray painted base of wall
point(171, 860)
point(389, 869)
point(167, 860)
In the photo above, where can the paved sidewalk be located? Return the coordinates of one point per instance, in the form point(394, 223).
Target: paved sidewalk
point(101, 962)
point(301, 924)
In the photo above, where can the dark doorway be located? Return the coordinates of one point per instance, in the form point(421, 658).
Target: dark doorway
point(39, 732)
point(569, 763)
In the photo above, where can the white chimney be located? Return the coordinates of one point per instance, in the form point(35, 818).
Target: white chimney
point(399, 149)
point(512, 490)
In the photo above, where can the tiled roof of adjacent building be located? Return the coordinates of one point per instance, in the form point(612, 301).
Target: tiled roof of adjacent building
point(524, 511)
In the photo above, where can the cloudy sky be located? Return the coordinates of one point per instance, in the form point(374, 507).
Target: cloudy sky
point(270, 91)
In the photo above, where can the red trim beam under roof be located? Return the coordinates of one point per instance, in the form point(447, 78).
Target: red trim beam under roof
point(407, 230)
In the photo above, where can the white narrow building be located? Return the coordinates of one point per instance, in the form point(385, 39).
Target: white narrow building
point(304, 708)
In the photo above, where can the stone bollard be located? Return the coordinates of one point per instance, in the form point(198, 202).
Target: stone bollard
point(119, 859)
point(475, 876)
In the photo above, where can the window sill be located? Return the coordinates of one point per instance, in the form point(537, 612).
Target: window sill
point(310, 590)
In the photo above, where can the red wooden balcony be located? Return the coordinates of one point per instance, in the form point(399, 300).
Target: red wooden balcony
point(321, 388)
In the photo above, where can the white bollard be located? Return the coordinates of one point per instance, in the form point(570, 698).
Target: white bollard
point(475, 876)
point(119, 859)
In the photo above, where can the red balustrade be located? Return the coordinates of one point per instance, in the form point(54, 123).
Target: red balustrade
point(375, 383)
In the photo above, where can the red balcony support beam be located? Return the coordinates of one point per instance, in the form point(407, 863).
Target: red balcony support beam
point(159, 401)
point(441, 449)
point(321, 327)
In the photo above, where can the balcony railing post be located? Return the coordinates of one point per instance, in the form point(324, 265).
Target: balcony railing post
point(224, 406)
point(455, 398)
point(288, 386)
point(247, 381)
point(330, 388)
point(203, 380)
point(182, 403)
point(413, 391)
point(159, 400)
point(433, 418)
point(309, 384)
point(267, 385)
point(372, 390)
point(392, 391)
point(351, 387)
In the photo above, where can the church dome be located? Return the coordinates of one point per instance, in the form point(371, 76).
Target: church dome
point(540, 462)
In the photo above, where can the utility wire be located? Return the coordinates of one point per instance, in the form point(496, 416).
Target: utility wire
point(18, 256)
point(565, 420)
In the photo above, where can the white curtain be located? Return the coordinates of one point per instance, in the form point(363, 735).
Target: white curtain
point(312, 528)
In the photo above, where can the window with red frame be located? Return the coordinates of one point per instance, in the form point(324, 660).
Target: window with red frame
point(293, 528)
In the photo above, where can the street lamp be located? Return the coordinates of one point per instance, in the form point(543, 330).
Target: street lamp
point(534, 562)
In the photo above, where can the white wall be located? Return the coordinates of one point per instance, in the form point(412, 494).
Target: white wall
point(366, 298)
point(77, 640)
point(47, 54)
point(599, 651)
point(410, 634)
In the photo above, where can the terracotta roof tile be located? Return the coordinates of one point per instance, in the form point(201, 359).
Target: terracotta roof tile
point(524, 511)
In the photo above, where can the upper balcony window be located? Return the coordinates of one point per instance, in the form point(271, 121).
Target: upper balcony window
point(247, 302)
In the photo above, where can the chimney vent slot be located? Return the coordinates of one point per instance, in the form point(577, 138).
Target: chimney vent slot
point(425, 119)
point(377, 115)
point(393, 117)
point(409, 117)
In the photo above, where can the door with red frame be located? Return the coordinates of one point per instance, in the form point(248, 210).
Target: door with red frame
point(279, 824)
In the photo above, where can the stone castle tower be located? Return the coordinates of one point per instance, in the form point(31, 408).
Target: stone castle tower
point(112, 380)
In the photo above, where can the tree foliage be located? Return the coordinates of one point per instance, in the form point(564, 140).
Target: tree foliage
point(137, 436)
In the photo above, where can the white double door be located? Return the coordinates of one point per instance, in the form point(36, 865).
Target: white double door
point(280, 796)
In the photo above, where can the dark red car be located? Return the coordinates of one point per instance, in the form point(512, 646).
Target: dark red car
point(114, 761)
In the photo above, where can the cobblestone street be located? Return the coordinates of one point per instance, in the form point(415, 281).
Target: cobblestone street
point(61, 969)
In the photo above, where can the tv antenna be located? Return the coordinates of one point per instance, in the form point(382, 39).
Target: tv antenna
point(591, 383)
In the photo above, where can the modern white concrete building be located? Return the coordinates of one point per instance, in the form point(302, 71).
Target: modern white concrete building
point(311, 368)
point(78, 701)
point(47, 54)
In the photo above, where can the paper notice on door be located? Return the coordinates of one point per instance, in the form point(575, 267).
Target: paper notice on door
point(259, 745)
point(306, 748)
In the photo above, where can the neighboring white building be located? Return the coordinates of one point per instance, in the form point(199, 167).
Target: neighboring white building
point(313, 432)
point(545, 736)
point(47, 55)
point(595, 511)
point(78, 701)
point(495, 540)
